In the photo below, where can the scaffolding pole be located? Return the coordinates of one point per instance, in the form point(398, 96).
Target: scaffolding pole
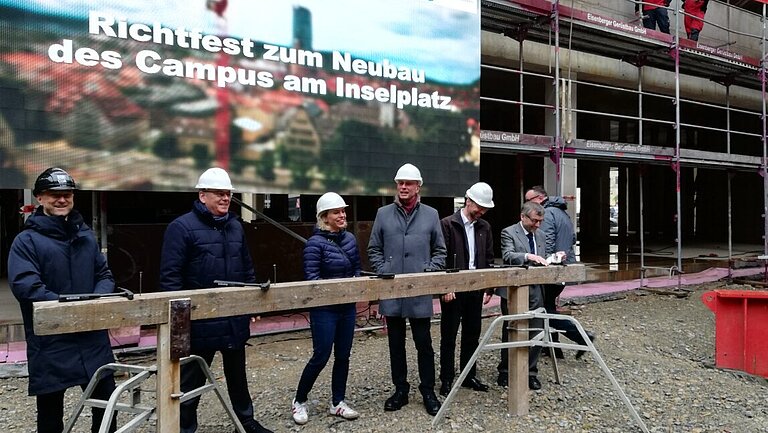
point(558, 142)
point(765, 135)
point(676, 54)
point(728, 175)
point(640, 169)
point(520, 58)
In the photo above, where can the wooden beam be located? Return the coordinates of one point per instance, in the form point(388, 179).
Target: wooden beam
point(52, 317)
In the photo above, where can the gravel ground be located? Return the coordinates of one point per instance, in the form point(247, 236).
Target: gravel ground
point(659, 347)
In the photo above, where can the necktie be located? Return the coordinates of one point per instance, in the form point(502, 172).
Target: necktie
point(530, 243)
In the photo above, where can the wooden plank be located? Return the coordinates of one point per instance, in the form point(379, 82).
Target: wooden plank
point(517, 397)
point(52, 317)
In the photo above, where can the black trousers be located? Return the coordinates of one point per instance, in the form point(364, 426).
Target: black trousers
point(533, 352)
point(237, 386)
point(551, 292)
point(422, 339)
point(50, 408)
point(465, 310)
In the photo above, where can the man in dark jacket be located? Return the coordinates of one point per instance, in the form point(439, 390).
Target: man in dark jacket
point(469, 243)
point(406, 238)
point(199, 247)
point(55, 254)
point(559, 234)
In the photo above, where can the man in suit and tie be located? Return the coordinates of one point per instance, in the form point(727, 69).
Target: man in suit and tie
point(523, 244)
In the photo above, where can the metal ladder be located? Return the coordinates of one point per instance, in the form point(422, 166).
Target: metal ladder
point(543, 339)
point(141, 412)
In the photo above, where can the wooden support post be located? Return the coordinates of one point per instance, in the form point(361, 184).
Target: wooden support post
point(517, 397)
point(169, 369)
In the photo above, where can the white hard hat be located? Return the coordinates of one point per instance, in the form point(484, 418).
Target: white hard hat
point(482, 194)
point(214, 178)
point(328, 201)
point(409, 172)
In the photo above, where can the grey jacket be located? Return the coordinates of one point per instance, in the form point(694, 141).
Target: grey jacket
point(403, 244)
point(514, 246)
point(558, 229)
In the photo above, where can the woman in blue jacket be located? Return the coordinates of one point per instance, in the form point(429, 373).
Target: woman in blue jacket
point(331, 252)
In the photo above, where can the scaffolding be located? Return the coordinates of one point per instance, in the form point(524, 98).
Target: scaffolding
point(552, 22)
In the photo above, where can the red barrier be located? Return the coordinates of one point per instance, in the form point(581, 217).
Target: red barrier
point(741, 329)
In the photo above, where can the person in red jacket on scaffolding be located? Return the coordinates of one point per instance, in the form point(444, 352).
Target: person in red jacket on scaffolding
point(654, 12)
point(694, 14)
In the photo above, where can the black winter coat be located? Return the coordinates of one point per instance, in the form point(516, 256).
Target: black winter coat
point(53, 256)
point(197, 250)
point(331, 255)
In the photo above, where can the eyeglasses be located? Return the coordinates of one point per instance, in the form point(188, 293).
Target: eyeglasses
point(534, 220)
point(219, 192)
point(534, 197)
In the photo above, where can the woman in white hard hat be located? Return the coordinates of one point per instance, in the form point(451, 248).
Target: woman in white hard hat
point(331, 252)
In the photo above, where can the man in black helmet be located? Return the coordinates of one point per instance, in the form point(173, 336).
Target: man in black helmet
point(55, 254)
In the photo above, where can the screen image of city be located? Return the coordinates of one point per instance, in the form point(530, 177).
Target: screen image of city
point(290, 97)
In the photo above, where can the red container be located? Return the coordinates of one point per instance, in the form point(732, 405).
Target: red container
point(741, 329)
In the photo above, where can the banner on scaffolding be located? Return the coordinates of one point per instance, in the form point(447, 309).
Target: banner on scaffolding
point(305, 96)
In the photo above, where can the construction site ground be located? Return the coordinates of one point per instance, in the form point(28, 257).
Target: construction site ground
point(659, 344)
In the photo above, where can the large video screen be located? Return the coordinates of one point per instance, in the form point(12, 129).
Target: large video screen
point(290, 97)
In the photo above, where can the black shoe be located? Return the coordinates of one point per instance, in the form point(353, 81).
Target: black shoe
point(474, 385)
point(445, 388)
point(503, 379)
point(581, 353)
point(533, 383)
point(254, 427)
point(397, 401)
point(431, 403)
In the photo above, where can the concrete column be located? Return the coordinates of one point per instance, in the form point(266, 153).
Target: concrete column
point(255, 201)
point(568, 129)
point(594, 227)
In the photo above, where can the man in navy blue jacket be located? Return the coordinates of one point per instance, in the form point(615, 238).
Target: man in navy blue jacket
point(199, 247)
point(55, 254)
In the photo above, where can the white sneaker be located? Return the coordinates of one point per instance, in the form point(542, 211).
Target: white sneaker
point(343, 411)
point(299, 410)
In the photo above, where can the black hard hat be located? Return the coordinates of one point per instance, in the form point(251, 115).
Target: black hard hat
point(54, 179)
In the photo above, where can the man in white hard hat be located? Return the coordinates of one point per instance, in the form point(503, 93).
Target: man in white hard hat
point(469, 242)
point(406, 238)
point(199, 247)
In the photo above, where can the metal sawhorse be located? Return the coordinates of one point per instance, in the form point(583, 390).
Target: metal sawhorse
point(544, 339)
point(141, 412)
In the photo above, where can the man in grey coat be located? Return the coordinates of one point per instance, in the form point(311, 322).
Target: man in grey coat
point(524, 244)
point(406, 238)
point(559, 234)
